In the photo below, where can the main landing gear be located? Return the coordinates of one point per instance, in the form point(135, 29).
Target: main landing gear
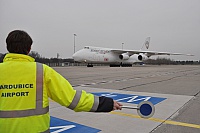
point(89, 65)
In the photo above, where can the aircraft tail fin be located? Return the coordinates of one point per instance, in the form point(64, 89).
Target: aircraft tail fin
point(146, 44)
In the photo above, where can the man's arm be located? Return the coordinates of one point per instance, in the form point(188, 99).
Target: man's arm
point(61, 91)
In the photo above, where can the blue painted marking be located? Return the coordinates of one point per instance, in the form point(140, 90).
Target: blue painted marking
point(133, 99)
point(63, 126)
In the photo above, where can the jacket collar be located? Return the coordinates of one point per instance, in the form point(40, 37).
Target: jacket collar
point(18, 57)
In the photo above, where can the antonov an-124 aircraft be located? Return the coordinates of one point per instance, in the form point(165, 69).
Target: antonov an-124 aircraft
point(116, 57)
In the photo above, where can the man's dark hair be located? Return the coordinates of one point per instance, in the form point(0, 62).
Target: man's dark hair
point(19, 42)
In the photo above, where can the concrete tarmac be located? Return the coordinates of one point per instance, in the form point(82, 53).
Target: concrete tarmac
point(176, 86)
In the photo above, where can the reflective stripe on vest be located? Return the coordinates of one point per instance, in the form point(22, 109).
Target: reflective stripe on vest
point(96, 104)
point(77, 98)
point(39, 110)
point(75, 101)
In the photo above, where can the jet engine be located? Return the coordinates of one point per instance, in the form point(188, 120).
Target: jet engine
point(124, 56)
point(142, 57)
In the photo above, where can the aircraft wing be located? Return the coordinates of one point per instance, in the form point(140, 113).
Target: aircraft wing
point(148, 53)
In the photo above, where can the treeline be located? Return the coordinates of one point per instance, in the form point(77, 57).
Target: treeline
point(49, 61)
point(58, 61)
point(39, 58)
point(164, 61)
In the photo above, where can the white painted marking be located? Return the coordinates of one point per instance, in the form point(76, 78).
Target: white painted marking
point(133, 99)
point(108, 95)
point(62, 128)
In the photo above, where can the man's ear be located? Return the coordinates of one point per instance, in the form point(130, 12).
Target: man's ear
point(29, 51)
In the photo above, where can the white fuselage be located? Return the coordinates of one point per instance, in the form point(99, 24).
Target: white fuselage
point(92, 54)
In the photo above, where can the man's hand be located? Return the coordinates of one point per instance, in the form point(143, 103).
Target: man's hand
point(116, 105)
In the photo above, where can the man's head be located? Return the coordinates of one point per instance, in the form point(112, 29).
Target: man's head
point(19, 42)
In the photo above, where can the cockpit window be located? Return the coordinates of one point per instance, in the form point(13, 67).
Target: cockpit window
point(86, 47)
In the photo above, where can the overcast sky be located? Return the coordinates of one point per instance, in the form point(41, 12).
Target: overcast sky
point(173, 25)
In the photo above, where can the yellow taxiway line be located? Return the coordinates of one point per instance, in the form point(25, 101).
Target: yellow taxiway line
point(158, 120)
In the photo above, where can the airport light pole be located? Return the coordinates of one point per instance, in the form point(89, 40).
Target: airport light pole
point(122, 46)
point(74, 42)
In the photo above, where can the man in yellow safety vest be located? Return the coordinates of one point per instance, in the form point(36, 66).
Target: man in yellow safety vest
point(26, 85)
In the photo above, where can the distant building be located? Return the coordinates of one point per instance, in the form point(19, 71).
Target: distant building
point(1, 57)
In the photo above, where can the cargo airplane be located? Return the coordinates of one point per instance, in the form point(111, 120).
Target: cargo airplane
point(116, 57)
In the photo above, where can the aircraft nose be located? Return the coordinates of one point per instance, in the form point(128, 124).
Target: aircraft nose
point(76, 57)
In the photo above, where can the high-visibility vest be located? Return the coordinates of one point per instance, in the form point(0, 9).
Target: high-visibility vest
point(16, 115)
point(24, 105)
